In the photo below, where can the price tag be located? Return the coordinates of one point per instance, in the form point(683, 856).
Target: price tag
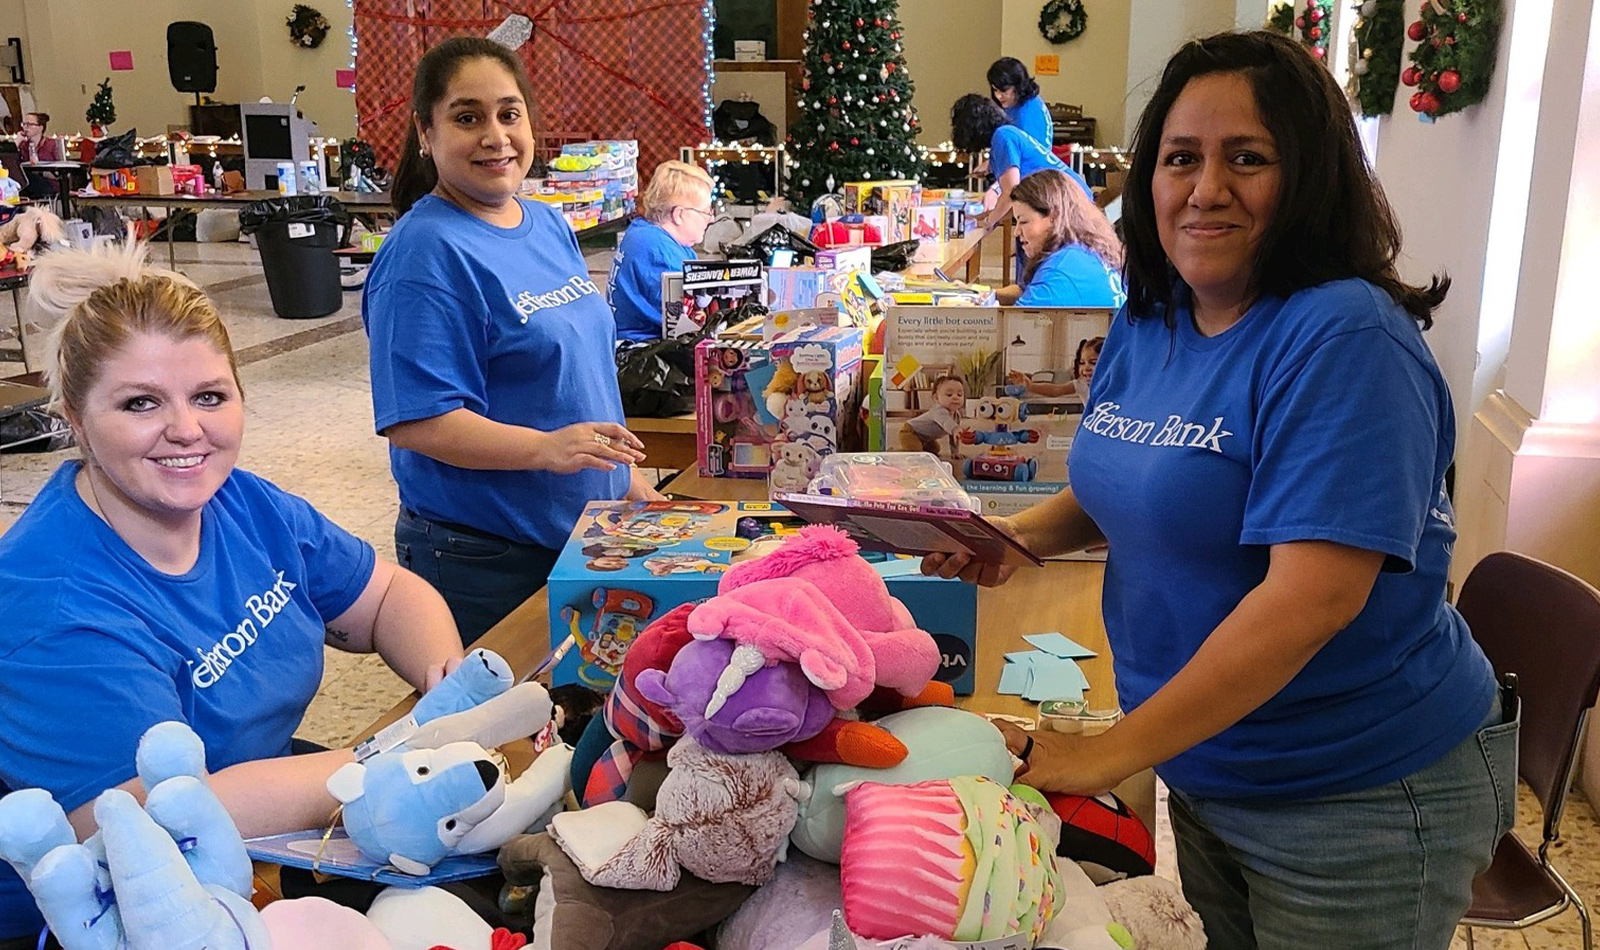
point(386, 738)
point(300, 231)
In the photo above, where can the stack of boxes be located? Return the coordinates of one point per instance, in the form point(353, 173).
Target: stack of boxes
point(593, 182)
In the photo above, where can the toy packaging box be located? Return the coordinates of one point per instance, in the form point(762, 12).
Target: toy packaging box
point(776, 407)
point(628, 563)
point(712, 289)
point(997, 391)
point(896, 200)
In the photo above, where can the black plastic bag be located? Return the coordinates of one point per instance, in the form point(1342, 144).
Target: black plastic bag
point(34, 430)
point(293, 209)
point(760, 247)
point(657, 378)
point(735, 121)
point(118, 151)
point(894, 257)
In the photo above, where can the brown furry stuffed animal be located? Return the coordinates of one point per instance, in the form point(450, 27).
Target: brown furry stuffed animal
point(32, 228)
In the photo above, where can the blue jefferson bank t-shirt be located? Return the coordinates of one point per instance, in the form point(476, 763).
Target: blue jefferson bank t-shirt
point(634, 289)
point(1073, 276)
point(1319, 417)
point(1033, 117)
point(97, 646)
point(504, 322)
point(1010, 147)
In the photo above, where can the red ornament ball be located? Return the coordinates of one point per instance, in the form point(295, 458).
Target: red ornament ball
point(1316, 16)
point(855, 141)
point(1316, 32)
point(1450, 41)
point(1299, 22)
point(1411, 76)
point(1319, 52)
point(1416, 101)
point(833, 146)
point(1416, 30)
point(1461, 18)
point(1449, 81)
point(1436, 42)
point(860, 22)
point(846, 44)
point(833, 100)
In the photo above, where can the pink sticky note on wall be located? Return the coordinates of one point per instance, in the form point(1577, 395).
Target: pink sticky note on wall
point(121, 59)
point(344, 78)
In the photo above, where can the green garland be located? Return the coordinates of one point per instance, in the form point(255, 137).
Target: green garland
point(1375, 58)
point(1453, 61)
point(1315, 26)
point(1062, 20)
point(1281, 19)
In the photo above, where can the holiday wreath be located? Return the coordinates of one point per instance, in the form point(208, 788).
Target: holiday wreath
point(1062, 20)
point(307, 26)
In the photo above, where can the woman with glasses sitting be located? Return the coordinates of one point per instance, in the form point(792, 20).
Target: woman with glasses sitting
point(674, 212)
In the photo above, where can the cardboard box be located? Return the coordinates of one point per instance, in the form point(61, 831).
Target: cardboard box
point(845, 258)
point(712, 290)
point(875, 404)
point(749, 51)
point(790, 400)
point(628, 563)
point(155, 180)
point(895, 200)
point(1009, 444)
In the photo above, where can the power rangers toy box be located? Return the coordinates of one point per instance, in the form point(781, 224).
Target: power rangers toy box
point(628, 563)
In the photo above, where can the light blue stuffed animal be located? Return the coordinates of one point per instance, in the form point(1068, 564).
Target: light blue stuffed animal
point(137, 901)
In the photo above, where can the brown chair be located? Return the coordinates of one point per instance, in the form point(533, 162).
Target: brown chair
point(1543, 624)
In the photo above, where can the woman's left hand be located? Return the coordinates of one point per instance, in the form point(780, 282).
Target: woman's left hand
point(1060, 762)
point(640, 489)
point(438, 671)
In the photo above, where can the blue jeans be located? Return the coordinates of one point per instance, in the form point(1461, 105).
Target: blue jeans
point(481, 577)
point(1378, 869)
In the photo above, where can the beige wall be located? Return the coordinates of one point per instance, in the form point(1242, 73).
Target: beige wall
point(1094, 67)
point(949, 46)
point(71, 40)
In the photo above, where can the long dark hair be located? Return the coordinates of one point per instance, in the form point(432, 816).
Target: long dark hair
point(1009, 73)
point(416, 175)
point(973, 120)
point(1074, 219)
point(1332, 220)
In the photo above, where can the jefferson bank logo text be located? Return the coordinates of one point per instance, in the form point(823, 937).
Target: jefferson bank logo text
point(1175, 431)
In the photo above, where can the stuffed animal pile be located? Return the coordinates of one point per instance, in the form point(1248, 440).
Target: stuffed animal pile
point(25, 233)
point(907, 828)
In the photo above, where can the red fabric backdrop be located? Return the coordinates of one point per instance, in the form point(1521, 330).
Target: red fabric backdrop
point(614, 69)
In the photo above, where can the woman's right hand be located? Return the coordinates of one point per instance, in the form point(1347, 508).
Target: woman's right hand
point(969, 569)
point(599, 445)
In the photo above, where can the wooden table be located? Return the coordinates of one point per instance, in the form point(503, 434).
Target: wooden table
point(669, 442)
point(964, 254)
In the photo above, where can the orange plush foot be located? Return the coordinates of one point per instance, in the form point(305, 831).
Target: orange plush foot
point(934, 694)
point(849, 742)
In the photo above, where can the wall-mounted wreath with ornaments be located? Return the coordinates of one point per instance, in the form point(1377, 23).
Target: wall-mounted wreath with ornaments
point(1062, 20)
point(307, 26)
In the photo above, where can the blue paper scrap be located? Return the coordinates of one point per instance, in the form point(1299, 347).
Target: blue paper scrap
point(1057, 645)
point(1014, 678)
point(1055, 678)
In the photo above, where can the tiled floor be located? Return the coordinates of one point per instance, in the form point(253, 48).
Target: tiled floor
point(309, 430)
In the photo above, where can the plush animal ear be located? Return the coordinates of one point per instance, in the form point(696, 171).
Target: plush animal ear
point(822, 670)
point(349, 783)
point(652, 685)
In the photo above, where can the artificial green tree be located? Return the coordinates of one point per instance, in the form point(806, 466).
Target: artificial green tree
point(101, 112)
point(856, 119)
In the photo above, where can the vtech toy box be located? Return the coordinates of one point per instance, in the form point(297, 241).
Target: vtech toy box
point(776, 407)
point(628, 563)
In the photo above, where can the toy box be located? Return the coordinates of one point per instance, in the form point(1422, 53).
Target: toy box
point(896, 200)
point(711, 290)
point(845, 258)
point(628, 563)
point(840, 299)
point(998, 391)
point(114, 181)
point(777, 406)
point(874, 411)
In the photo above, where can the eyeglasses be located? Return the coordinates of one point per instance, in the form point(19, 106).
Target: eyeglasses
point(36, 125)
point(710, 215)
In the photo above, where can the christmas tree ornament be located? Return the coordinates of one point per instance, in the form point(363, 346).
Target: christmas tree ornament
point(1449, 81)
point(1416, 31)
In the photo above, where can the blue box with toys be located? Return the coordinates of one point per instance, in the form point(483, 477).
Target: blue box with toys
point(776, 407)
point(628, 563)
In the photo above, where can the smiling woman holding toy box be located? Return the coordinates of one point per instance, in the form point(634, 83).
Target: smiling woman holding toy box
point(1341, 762)
point(154, 581)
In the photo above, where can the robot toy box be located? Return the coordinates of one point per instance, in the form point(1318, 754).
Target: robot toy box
point(777, 407)
point(628, 563)
point(997, 391)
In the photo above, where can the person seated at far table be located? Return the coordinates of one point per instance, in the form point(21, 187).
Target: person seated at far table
point(674, 212)
point(33, 146)
point(1072, 257)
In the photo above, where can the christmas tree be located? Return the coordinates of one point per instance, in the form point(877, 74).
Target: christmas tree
point(856, 119)
point(101, 111)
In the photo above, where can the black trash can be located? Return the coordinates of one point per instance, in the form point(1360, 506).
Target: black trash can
point(296, 237)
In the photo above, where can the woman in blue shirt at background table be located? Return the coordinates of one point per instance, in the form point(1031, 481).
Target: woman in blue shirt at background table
point(674, 212)
point(1073, 256)
point(1018, 94)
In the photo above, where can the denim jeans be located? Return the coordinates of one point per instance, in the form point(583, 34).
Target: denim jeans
point(481, 577)
point(1378, 869)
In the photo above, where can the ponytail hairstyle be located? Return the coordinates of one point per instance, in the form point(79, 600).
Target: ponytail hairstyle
point(1009, 73)
point(1074, 219)
point(416, 175)
point(98, 299)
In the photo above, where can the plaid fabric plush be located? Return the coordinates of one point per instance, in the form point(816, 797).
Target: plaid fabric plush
point(637, 735)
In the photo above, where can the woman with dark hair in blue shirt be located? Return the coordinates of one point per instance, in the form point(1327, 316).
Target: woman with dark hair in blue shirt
point(1018, 94)
point(1264, 454)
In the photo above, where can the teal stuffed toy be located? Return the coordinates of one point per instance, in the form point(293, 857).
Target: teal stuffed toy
point(124, 887)
point(440, 792)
